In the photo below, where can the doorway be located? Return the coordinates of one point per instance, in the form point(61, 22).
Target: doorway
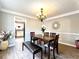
point(19, 29)
point(19, 32)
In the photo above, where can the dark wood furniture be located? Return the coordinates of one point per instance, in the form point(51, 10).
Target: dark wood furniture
point(54, 45)
point(32, 47)
point(46, 39)
point(32, 36)
point(46, 33)
point(52, 34)
point(39, 39)
point(77, 43)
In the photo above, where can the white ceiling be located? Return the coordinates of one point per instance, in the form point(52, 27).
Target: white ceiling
point(32, 7)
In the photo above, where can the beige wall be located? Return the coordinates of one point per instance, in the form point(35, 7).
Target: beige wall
point(0, 21)
point(8, 21)
point(69, 28)
point(75, 23)
point(7, 24)
point(64, 25)
point(32, 25)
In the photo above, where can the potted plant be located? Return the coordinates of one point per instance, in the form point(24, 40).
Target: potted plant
point(43, 29)
point(4, 42)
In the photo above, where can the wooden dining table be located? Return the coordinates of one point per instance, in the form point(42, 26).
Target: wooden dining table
point(45, 39)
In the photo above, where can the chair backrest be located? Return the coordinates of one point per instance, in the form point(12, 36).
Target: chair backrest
point(52, 34)
point(33, 38)
point(54, 42)
point(46, 33)
point(32, 34)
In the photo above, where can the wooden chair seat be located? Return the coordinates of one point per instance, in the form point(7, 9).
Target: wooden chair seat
point(32, 47)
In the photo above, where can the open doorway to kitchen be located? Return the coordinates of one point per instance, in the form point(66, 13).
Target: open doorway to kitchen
point(19, 30)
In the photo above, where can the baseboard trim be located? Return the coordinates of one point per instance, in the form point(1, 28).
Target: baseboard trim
point(67, 44)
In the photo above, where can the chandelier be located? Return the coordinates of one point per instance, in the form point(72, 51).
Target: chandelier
point(41, 16)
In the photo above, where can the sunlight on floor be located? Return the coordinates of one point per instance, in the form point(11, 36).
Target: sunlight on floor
point(19, 40)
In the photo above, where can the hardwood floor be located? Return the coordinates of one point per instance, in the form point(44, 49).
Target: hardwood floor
point(16, 52)
point(68, 52)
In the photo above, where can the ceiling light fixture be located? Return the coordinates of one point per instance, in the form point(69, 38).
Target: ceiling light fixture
point(41, 16)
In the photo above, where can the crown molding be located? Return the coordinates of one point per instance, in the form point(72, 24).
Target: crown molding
point(31, 17)
point(63, 15)
point(16, 13)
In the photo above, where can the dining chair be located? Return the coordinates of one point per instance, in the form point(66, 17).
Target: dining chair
point(46, 33)
point(52, 34)
point(32, 36)
point(53, 45)
point(40, 42)
point(56, 43)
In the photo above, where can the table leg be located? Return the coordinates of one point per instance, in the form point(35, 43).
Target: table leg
point(48, 51)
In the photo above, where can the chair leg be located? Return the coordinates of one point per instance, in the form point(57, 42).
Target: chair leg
point(41, 54)
point(22, 47)
point(57, 50)
point(54, 54)
point(45, 50)
point(33, 56)
point(48, 51)
point(40, 42)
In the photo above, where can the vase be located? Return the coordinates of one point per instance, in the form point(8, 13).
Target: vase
point(42, 33)
point(4, 45)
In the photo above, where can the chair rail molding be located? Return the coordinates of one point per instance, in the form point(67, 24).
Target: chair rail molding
point(71, 34)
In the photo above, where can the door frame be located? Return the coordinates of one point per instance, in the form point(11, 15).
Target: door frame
point(20, 30)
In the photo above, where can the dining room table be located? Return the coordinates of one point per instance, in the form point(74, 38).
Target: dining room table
point(45, 39)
